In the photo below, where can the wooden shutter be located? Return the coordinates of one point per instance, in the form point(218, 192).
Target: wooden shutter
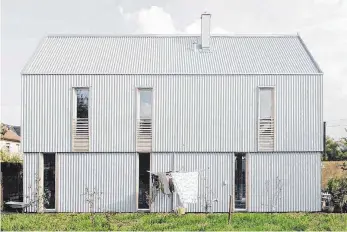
point(144, 135)
point(80, 135)
point(266, 134)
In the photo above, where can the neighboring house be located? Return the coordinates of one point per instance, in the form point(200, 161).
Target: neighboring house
point(10, 141)
point(100, 111)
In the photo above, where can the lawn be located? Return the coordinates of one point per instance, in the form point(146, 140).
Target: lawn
point(188, 222)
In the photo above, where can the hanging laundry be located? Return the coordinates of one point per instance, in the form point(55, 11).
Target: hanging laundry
point(165, 183)
point(186, 186)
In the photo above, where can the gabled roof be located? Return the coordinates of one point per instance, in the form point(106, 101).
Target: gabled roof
point(150, 54)
point(11, 136)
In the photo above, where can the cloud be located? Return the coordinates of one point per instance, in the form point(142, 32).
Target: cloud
point(155, 20)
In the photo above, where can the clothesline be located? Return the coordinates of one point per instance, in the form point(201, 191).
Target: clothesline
point(201, 170)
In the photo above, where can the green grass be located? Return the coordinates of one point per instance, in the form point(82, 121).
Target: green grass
point(168, 222)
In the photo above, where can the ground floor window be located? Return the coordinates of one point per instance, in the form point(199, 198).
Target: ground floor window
point(240, 181)
point(49, 180)
point(144, 180)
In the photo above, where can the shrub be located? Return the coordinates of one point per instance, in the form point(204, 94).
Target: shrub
point(338, 190)
point(8, 157)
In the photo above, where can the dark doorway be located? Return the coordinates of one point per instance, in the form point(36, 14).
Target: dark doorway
point(144, 189)
point(240, 181)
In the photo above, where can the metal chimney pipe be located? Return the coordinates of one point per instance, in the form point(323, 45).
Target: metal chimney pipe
point(205, 30)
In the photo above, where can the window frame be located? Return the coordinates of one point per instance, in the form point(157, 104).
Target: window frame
point(138, 99)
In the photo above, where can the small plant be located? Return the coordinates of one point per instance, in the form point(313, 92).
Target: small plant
point(274, 194)
point(108, 215)
point(38, 196)
point(208, 196)
point(338, 190)
point(91, 197)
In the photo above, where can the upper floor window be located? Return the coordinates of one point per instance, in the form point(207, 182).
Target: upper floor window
point(82, 97)
point(266, 119)
point(144, 120)
point(145, 103)
point(80, 125)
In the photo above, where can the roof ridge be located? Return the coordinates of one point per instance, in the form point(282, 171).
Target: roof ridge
point(172, 35)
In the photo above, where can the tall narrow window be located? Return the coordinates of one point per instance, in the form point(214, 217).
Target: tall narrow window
point(144, 120)
point(240, 181)
point(266, 120)
point(80, 130)
point(49, 180)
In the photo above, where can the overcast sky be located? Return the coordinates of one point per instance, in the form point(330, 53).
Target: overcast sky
point(321, 23)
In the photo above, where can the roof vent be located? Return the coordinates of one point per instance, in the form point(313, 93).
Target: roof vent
point(205, 30)
point(196, 46)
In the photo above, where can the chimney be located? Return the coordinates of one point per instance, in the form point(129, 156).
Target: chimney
point(205, 30)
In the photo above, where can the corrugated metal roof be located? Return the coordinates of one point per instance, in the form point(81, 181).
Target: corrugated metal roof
point(149, 54)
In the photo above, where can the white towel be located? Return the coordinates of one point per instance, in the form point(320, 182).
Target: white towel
point(186, 186)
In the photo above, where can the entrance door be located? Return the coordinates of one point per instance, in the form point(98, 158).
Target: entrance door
point(240, 181)
point(144, 181)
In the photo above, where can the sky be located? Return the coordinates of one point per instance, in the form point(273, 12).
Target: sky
point(321, 23)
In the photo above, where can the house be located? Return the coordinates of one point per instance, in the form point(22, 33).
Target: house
point(102, 112)
point(10, 139)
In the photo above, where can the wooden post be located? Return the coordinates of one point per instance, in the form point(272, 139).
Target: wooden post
point(230, 208)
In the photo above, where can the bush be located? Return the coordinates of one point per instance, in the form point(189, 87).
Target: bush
point(8, 157)
point(337, 187)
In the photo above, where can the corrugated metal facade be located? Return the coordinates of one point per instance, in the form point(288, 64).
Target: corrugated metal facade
point(214, 169)
point(205, 109)
point(30, 177)
point(113, 174)
point(148, 54)
point(300, 180)
point(191, 113)
point(116, 176)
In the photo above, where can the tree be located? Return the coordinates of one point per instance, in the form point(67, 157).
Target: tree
point(4, 128)
point(336, 149)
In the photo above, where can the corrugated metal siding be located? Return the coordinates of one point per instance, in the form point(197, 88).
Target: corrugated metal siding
point(214, 168)
point(113, 174)
point(30, 170)
point(170, 55)
point(191, 114)
point(300, 174)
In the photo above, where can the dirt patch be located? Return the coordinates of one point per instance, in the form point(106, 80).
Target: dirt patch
point(331, 169)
